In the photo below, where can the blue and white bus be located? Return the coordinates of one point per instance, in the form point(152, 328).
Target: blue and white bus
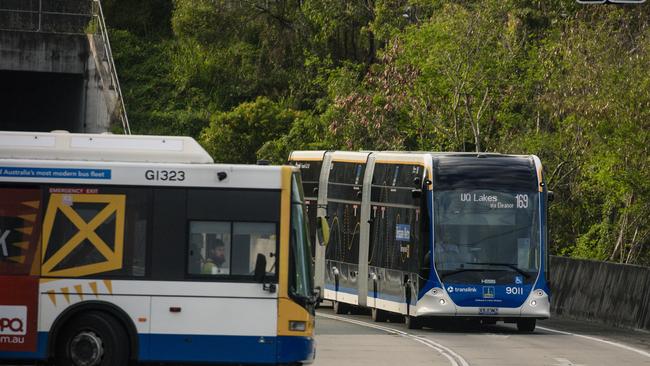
point(117, 249)
point(430, 235)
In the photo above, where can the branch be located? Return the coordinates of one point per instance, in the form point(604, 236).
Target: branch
point(284, 21)
point(555, 171)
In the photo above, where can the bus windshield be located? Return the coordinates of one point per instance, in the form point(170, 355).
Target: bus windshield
point(301, 273)
point(481, 233)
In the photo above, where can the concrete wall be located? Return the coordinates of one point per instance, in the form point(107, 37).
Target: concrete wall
point(50, 55)
point(43, 52)
point(53, 75)
point(612, 293)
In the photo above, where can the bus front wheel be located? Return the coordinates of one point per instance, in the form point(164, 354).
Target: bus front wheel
point(412, 322)
point(93, 339)
point(526, 325)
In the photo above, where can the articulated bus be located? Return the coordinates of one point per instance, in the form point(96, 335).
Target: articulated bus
point(426, 236)
point(118, 249)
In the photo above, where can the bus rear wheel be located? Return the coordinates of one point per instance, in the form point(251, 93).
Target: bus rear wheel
point(526, 325)
point(379, 316)
point(340, 307)
point(93, 339)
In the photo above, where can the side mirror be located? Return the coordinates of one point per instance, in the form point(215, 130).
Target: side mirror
point(322, 231)
point(551, 196)
point(260, 268)
point(417, 182)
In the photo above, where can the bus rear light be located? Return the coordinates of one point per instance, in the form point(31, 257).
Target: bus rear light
point(297, 325)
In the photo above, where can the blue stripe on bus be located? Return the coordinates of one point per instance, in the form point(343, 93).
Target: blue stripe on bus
point(296, 349)
point(203, 348)
point(433, 280)
point(54, 173)
point(347, 290)
point(40, 354)
point(380, 295)
point(208, 348)
point(224, 349)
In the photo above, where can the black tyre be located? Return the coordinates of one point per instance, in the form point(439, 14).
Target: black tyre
point(396, 318)
point(526, 325)
point(340, 307)
point(413, 322)
point(93, 339)
point(379, 316)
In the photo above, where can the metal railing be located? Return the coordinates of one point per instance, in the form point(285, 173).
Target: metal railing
point(46, 16)
point(104, 55)
point(71, 17)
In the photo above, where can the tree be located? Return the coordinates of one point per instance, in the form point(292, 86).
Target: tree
point(236, 136)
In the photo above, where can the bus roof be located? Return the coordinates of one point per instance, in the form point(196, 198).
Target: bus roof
point(61, 145)
point(388, 156)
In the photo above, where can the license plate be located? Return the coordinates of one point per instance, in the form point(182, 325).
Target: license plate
point(488, 311)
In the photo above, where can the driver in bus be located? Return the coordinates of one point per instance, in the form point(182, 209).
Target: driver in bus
point(215, 258)
point(448, 253)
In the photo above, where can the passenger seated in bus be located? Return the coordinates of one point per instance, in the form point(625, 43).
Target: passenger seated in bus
point(215, 258)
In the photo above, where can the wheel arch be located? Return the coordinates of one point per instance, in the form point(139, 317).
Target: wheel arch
point(94, 305)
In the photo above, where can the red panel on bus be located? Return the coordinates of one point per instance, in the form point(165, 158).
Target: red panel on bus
point(20, 232)
point(18, 313)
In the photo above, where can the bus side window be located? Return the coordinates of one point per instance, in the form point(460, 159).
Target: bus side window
point(209, 248)
point(249, 240)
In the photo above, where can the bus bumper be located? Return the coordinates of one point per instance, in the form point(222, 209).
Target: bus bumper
point(296, 349)
point(437, 303)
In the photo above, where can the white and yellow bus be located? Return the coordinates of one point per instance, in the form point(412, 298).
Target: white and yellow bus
point(116, 249)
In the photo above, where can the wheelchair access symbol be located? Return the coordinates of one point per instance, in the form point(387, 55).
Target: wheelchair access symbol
point(70, 258)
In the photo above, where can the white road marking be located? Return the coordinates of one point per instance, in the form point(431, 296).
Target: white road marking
point(565, 362)
point(615, 344)
point(454, 358)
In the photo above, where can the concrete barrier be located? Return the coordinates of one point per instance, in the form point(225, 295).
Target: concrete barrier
point(612, 293)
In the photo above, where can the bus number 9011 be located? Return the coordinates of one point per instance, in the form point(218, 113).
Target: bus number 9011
point(165, 175)
point(514, 290)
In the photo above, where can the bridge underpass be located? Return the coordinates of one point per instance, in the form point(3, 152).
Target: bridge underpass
point(37, 101)
point(56, 68)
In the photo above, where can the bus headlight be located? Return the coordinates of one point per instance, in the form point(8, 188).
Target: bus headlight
point(437, 292)
point(442, 301)
point(539, 293)
point(297, 325)
point(533, 302)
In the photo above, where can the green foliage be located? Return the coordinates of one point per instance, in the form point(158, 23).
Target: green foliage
point(146, 18)
point(256, 79)
point(237, 135)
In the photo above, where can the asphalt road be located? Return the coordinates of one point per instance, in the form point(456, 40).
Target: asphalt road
point(356, 340)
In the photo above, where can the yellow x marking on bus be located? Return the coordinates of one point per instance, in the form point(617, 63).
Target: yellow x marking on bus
point(115, 204)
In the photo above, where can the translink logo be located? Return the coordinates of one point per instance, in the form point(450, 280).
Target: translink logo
point(450, 289)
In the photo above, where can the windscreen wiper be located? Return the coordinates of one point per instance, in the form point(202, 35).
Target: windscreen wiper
point(509, 265)
point(459, 270)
